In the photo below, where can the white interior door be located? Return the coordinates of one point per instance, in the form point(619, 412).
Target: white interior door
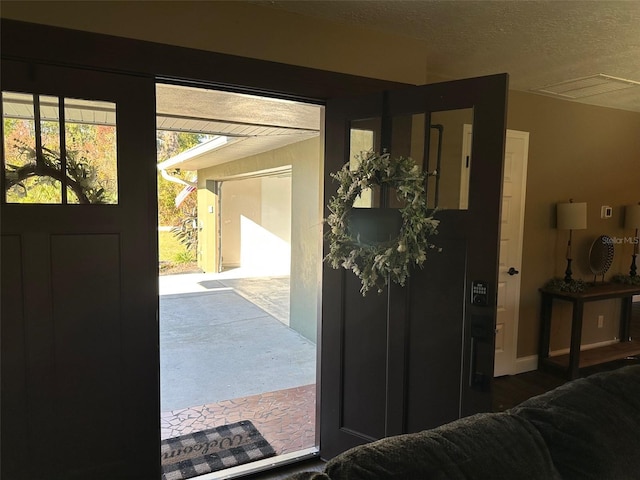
point(511, 233)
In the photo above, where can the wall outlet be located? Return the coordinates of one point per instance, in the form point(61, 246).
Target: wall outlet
point(606, 212)
point(600, 321)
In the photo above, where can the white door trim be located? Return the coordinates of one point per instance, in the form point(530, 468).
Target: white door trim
point(510, 365)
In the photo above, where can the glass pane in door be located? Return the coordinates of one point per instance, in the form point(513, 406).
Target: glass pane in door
point(24, 182)
point(43, 166)
point(364, 138)
point(449, 161)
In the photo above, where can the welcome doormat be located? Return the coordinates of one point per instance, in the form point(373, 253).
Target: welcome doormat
point(214, 449)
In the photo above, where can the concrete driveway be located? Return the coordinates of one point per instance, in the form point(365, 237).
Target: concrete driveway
point(221, 339)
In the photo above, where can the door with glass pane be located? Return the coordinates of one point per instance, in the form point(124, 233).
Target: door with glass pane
point(414, 357)
point(79, 281)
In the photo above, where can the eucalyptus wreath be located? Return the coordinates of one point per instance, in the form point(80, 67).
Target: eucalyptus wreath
point(377, 264)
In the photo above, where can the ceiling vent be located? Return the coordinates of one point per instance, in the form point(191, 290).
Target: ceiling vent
point(587, 86)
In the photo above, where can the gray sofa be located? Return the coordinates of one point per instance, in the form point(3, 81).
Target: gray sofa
point(587, 429)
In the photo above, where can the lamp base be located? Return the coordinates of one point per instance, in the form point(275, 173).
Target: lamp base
point(568, 272)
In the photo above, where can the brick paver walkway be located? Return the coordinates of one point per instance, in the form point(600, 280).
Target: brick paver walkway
point(285, 418)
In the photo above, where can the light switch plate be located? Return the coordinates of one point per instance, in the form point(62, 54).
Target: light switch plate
point(606, 212)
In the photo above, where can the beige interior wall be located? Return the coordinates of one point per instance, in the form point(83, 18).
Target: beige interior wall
point(305, 159)
point(239, 28)
point(590, 154)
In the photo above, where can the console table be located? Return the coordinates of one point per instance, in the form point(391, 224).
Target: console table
point(591, 294)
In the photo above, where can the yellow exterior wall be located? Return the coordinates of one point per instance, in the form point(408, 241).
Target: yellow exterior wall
point(208, 213)
point(231, 211)
point(305, 159)
point(255, 224)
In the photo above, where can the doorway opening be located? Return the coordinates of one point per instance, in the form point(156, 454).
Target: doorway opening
point(240, 220)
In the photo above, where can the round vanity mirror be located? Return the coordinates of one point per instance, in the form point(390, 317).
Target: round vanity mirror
point(601, 255)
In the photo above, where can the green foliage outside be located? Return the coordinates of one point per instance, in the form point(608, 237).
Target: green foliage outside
point(171, 250)
point(171, 144)
point(183, 219)
point(36, 176)
point(187, 231)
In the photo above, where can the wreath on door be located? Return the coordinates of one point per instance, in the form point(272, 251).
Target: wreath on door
point(377, 263)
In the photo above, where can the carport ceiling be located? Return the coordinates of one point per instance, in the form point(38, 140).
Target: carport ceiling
point(252, 124)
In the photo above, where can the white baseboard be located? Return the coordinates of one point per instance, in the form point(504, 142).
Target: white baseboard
point(526, 364)
point(530, 363)
point(590, 346)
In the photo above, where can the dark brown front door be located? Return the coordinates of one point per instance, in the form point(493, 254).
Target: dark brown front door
point(80, 388)
point(412, 358)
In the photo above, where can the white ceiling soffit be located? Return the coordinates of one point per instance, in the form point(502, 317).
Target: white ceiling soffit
point(198, 103)
point(537, 42)
point(233, 149)
point(205, 147)
point(210, 126)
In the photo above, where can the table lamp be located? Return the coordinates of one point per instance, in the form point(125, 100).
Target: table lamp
point(571, 216)
point(632, 220)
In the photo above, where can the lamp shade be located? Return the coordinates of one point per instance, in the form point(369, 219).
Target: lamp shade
point(632, 216)
point(572, 216)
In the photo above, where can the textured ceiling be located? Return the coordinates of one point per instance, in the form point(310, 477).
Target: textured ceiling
point(537, 42)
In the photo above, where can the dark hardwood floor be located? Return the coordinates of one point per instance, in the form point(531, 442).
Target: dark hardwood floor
point(509, 391)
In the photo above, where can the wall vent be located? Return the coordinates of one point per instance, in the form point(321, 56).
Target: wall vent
point(587, 86)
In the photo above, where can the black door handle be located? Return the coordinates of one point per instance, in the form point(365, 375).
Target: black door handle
point(481, 349)
point(512, 271)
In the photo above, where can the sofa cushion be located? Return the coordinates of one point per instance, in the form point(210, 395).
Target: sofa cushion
point(592, 425)
point(497, 446)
